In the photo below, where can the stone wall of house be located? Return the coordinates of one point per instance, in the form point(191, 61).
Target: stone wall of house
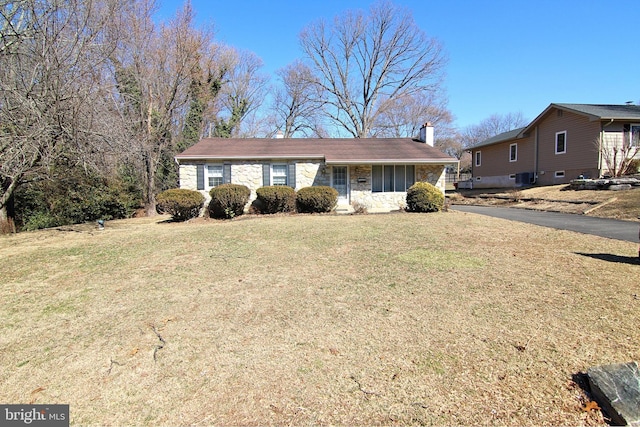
point(314, 173)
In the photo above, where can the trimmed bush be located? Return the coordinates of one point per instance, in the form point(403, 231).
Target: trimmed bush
point(180, 203)
point(424, 197)
point(228, 200)
point(316, 199)
point(275, 198)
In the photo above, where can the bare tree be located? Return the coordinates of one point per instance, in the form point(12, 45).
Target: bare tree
point(362, 62)
point(619, 154)
point(297, 101)
point(490, 127)
point(51, 56)
point(242, 92)
point(406, 114)
point(153, 68)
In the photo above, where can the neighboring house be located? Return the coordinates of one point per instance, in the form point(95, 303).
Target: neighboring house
point(374, 172)
point(565, 142)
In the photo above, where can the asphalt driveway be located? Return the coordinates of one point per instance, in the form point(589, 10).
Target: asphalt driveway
point(604, 227)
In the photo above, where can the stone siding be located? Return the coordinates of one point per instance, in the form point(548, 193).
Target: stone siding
point(315, 173)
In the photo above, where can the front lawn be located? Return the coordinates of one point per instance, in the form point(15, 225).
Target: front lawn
point(444, 319)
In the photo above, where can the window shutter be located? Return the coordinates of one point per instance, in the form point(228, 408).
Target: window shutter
point(200, 177)
point(266, 177)
point(226, 173)
point(291, 175)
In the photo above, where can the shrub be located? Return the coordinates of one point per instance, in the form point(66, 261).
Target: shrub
point(180, 203)
point(228, 200)
point(424, 197)
point(316, 199)
point(275, 198)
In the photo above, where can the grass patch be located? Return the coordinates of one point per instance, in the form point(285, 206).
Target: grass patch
point(446, 318)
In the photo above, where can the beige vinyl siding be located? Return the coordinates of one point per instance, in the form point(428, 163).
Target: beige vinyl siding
point(581, 156)
point(495, 158)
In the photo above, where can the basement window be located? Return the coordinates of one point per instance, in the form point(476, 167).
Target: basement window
point(559, 174)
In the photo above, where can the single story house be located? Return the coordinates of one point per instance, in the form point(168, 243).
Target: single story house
point(565, 142)
point(374, 172)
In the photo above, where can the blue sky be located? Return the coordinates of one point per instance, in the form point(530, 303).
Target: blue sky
point(504, 56)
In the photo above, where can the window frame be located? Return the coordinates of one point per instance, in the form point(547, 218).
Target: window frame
point(513, 154)
point(207, 175)
point(384, 178)
point(631, 134)
point(564, 142)
point(559, 174)
point(273, 175)
point(477, 158)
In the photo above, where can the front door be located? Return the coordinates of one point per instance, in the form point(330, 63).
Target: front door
point(340, 181)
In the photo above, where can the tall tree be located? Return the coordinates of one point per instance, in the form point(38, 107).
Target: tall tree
point(241, 93)
point(153, 70)
point(361, 62)
point(297, 101)
point(51, 56)
point(490, 127)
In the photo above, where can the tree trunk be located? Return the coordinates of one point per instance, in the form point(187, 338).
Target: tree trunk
point(150, 197)
point(6, 222)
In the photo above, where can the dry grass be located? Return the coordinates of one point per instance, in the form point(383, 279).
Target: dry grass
point(397, 319)
point(606, 204)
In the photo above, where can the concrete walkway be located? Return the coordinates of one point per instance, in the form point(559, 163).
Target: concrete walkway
point(604, 227)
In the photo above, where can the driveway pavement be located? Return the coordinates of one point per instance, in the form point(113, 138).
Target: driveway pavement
point(604, 227)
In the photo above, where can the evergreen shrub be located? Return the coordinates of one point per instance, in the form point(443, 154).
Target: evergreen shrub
point(424, 197)
point(228, 200)
point(180, 203)
point(316, 199)
point(275, 199)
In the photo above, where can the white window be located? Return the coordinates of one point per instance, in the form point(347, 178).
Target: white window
point(559, 174)
point(635, 135)
point(478, 158)
point(513, 152)
point(392, 178)
point(561, 142)
point(278, 174)
point(213, 176)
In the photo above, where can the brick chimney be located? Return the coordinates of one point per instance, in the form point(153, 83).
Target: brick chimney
point(426, 134)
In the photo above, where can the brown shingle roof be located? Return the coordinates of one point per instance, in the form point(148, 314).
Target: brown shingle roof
point(332, 150)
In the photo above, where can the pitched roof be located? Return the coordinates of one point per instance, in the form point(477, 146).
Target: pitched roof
point(593, 111)
point(604, 112)
point(504, 136)
point(332, 150)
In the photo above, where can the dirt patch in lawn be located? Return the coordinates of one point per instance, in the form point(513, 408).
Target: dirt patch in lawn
point(401, 319)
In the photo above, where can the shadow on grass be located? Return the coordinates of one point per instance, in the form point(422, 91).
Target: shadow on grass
point(613, 258)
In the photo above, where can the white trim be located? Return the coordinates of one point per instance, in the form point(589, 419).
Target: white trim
point(515, 159)
point(286, 174)
point(631, 126)
point(564, 132)
point(477, 158)
point(347, 189)
point(558, 174)
point(207, 186)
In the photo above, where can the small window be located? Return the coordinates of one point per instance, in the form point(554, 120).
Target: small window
point(214, 176)
point(278, 174)
point(513, 152)
point(635, 135)
point(559, 174)
point(561, 142)
point(512, 176)
point(478, 158)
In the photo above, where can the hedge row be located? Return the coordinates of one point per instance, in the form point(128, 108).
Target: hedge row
point(229, 200)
